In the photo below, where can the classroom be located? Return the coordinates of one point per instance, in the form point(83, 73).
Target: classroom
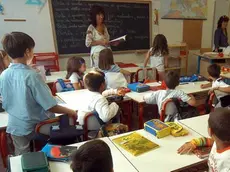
point(114, 85)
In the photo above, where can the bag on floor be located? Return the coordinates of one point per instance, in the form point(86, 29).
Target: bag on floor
point(184, 111)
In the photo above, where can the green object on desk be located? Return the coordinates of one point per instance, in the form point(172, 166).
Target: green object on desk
point(34, 162)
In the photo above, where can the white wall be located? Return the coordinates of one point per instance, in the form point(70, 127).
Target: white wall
point(39, 27)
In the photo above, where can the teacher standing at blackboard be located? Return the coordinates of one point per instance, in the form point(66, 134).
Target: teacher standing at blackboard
point(221, 34)
point(97, 36)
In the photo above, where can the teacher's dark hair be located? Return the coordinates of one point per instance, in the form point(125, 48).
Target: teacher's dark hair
point(221, 20)
point(95, 10)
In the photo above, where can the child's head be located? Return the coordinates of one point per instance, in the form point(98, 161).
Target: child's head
point(219, 122)
point(95, 81)
point(172, 80)
point(160, 45)
point(19, 45)
point(106, 59)
point(91, 157)
point(214, 71)
point(4, 61)
point(75, 64)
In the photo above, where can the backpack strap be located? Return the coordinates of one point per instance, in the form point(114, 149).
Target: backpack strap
point(177, 104)
point(62, 84)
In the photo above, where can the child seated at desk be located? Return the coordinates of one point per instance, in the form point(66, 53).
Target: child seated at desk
point(4, 61)
point(159, 97)
point(92, 156)
point(219, 87)
point(219, 158)
point(26, 97)
point(75, 72)
point(114, 76)
point(93, 100)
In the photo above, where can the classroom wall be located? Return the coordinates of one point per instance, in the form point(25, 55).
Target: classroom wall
point(38, 25)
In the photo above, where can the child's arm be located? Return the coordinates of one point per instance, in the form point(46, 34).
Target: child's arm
point(166, 61)
point(192, 100)
point(77, 86)
point(151, 98)
point(203, 86)
point(105, 111)
point(62, 110)
point(147, 58)
point(223, 89)
point(188, 147)
point(124, 72)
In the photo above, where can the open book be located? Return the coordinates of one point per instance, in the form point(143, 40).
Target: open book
point(122, 38)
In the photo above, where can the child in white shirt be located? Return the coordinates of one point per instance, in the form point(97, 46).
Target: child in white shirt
point(94, 101)
point(158, 55)
point(114, 76)
point(159, 97)
point(219, 158)
point(75, 72)
point(220, 88)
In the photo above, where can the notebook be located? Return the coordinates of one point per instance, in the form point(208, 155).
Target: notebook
point(135, 144)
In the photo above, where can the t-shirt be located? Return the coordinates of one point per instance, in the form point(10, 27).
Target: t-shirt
point(26, 98)
point(75, 78)
point(157, 61)
point(219, 160)
point(94, 101)
point(114, 68)
point(219, 83)
point(160, 96)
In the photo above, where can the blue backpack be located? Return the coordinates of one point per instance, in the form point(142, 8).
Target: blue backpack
point(65, 86)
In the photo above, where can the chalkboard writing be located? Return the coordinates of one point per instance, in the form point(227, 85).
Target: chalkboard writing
point(72, 18)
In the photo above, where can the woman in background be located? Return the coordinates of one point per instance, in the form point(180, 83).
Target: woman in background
point(221, 34)
point(97, 36)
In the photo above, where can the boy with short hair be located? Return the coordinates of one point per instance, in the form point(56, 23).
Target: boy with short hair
point(171, 80)
point(26, 98)
point(93, 99)
point(220, 88)
point(218, 128)
point(92, 156)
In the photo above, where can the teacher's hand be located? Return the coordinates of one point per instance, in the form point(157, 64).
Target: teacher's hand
point(104, 42)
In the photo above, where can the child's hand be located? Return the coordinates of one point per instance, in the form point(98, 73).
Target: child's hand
point(187, 148)
point(121, 91)
point(202, 86)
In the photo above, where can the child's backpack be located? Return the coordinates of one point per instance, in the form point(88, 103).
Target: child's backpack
point(65, 86)
point(184, 111)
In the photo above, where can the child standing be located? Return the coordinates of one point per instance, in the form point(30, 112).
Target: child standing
point(93, 100)
point(218, 128)
point(91, 157)
point(4, 61)
point(114, 76)
point(159, 97)
point(26, 97)
point(75, 72)
point(220, 88)
point(158, 55)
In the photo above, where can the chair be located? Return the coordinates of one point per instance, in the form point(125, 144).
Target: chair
point(168, 107)
point(147, 69)
point(56, 88)
point(49, 60)
point(90, 132)
point(43, 128)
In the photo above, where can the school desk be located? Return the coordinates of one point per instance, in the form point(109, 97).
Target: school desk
point(121, 164)
point(73, 100)
point(164, 158)
point(198, 124)
point(55, 76)
point(204, 60)
point(190, 88)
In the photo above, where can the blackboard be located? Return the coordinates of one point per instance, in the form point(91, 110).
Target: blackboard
point(71, 19)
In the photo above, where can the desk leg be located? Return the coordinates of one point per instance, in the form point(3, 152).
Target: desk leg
point(141, 114)
point(129, 114)
point(3, 148)
point(198, 65)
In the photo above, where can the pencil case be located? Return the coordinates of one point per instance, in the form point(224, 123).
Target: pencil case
point(157, 128)
point(138, 87)
point(34, 162)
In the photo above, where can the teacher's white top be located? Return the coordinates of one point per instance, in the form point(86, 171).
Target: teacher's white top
point(94, 35)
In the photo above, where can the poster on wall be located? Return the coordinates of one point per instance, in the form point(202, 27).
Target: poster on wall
point(184, 9)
